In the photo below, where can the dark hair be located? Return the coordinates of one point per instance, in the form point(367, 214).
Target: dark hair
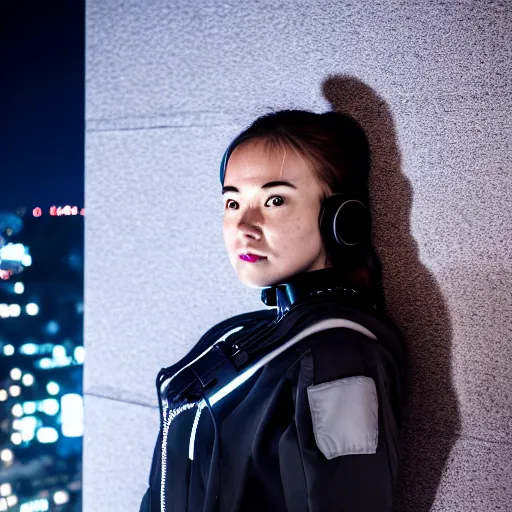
point(337, 152)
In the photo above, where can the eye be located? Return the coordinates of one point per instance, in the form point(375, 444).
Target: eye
point(227, 202)
point(271, 197)
point(276, 197)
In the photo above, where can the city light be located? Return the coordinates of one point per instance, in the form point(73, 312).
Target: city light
point(28, 426)
point(28, 349)
point(61, 497)
point(14, 391)
point(12, 252)
point(40, 505)
point(6, 455)
point(27, 435)
point(29, 407)
point(16, 438)
point(50, 406)
point(5, 274)
point(52, 388)
point(79, 354)
point(14, 310)
point(42, 334)
point(15, 374)
point(45, 363)
point(52, 327)
point(27, 379)
point(12, 500)
point(17, 411)
point(72, 415)
point(47, 435)
point(32, 309)
point(59, 352)
point(65, 210)
point(8, 349)
point(5, 489)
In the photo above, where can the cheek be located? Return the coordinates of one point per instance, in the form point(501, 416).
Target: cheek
point(229, 235)
point(300, 230)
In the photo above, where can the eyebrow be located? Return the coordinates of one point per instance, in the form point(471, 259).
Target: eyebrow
point(267, 185)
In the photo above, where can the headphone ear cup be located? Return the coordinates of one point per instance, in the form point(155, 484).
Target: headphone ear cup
point(345, 223)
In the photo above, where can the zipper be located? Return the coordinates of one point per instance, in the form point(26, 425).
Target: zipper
point(200, 406)
point(167, 423)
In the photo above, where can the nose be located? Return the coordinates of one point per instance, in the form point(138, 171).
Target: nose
point(249, 230)
point(248, 225)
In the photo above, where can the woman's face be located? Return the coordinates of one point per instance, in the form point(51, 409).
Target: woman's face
point(279, 223)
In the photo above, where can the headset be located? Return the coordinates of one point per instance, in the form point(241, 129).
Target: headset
point(344, 220)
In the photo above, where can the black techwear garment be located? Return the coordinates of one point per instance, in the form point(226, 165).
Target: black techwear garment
point(315, 429)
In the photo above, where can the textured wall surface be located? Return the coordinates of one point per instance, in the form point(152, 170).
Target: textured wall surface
point(170, 83)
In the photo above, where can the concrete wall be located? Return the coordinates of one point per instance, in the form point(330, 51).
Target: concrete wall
point(169, 84)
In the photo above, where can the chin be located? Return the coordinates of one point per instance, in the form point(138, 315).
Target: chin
point(261, 278)
point(255, 282)
point(253, 278)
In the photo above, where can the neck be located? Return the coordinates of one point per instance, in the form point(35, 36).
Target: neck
point(304, 286)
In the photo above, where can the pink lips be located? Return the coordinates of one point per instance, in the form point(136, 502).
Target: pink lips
point(251, 258)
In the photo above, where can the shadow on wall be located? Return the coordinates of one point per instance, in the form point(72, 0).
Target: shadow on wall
point(413, 299)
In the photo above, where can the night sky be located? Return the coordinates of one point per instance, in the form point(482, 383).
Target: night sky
point(42, 78)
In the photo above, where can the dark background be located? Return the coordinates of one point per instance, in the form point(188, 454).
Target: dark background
point(42, 56)
point(42, 92)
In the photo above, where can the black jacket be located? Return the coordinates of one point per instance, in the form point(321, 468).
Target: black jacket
point(296, 409)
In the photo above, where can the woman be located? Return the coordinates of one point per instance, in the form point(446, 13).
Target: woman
point(296, 408)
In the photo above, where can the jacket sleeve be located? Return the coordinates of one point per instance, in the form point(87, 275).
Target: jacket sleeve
point(348, 404)
point(145, 505)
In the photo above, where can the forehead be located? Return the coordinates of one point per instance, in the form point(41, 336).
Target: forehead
point(256, 161)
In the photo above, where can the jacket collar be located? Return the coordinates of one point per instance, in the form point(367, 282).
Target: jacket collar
point(302, 287)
